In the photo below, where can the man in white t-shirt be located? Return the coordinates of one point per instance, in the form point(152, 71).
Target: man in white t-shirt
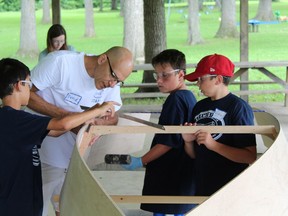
point(63, 82)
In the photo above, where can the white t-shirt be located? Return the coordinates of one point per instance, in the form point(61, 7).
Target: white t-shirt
point(62, 80)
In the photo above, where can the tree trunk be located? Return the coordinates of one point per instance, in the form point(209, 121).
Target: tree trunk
point(113, 5)
point(155, 36)
point(194, 35)
point(89, 19)
point(56, 12)
point(122, 7)
point(264, 11)
point(46, 18)
point(101, 5)
point(134, 29)
point(228, 28)
point(28, 40)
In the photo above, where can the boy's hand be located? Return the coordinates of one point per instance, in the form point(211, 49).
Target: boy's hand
point(136, 162)
point(189, 137)
point(205, 138)
point(106, 108)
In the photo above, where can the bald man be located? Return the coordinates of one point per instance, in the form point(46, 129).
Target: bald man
point(62, 82)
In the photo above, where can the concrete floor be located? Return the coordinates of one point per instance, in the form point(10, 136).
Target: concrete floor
point(117, 181)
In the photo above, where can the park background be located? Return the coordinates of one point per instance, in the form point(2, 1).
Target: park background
point(268, 44)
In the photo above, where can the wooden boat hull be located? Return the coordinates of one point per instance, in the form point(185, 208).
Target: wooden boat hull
point(262, 189)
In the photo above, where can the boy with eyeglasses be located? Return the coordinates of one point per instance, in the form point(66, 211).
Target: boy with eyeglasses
point(21, 134)
point(64, 81)
point(168, 168)
point(218, 157)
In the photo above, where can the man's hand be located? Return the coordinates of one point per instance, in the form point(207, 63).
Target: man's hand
point(136, 162)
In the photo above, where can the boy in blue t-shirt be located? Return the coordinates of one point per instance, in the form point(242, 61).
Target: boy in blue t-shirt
point(218, 157)
point(21, 135)
point(168, 168)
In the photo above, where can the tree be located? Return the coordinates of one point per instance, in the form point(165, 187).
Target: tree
point(46, 18)
point(113, 4)
point(155, 36)
point(89, 19)
point(134, 28)
point(194, 35)
point(101, 5)
point(28, 40)
point(228, 28)
point(264, 11)
point(122, 7)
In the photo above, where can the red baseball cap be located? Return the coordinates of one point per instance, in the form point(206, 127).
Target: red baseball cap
point(212, 64)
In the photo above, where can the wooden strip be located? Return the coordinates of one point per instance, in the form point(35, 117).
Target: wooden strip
point(152, 199)
point(243, 64)
point(241, 92)
point(265, 129)
point(158, 199)
point(150, 85)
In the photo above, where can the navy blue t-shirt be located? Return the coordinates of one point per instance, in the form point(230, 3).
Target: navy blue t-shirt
point(171, 173)
point(21, 134)
point(211, 169)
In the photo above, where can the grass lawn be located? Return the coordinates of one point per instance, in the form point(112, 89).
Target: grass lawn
point(269, 44)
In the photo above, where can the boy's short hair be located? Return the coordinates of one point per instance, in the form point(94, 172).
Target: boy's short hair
point(11, 71)
point(173, 57)
point(212, 64)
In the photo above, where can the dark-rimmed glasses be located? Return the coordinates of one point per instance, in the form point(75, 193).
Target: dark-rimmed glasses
point(113, 74)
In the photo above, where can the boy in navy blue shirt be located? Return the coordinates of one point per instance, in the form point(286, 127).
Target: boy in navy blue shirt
point(168, 169)
point(218, 157)
point(21, 135)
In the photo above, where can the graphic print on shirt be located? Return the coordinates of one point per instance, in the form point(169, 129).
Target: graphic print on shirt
point(73, 98)
point(211, 118)
point(35, 156)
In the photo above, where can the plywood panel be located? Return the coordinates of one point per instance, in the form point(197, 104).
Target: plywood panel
point(261, 189)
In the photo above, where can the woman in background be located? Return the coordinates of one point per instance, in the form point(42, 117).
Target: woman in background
point(56, 40)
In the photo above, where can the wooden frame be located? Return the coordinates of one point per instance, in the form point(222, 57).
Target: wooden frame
point(260, 190)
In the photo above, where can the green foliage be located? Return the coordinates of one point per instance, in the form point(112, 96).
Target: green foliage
point(71, 4)
point(10, 5)
point(269, 44)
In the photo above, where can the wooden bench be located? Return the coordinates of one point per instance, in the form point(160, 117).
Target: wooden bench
point(242, 68)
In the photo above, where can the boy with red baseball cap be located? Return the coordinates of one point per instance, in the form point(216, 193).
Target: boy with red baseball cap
point(218, 157)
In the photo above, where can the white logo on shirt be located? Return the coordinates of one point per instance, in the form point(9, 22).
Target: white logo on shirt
point(211, 118)
point(35, 156)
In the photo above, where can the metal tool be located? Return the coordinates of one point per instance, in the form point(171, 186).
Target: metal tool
point(132, 118)
point(142, 121)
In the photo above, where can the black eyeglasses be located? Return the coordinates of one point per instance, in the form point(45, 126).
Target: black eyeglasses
point(113, 74)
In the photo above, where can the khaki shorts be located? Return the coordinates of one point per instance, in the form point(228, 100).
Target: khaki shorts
point(53, 179)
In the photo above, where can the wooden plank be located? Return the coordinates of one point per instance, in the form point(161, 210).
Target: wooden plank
point(241, 92)
point(286, 95)
point(266, 129)
point(243, 64)
point(152, 199)
point(149, 85)
point(158, 199)
point(273, 77)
